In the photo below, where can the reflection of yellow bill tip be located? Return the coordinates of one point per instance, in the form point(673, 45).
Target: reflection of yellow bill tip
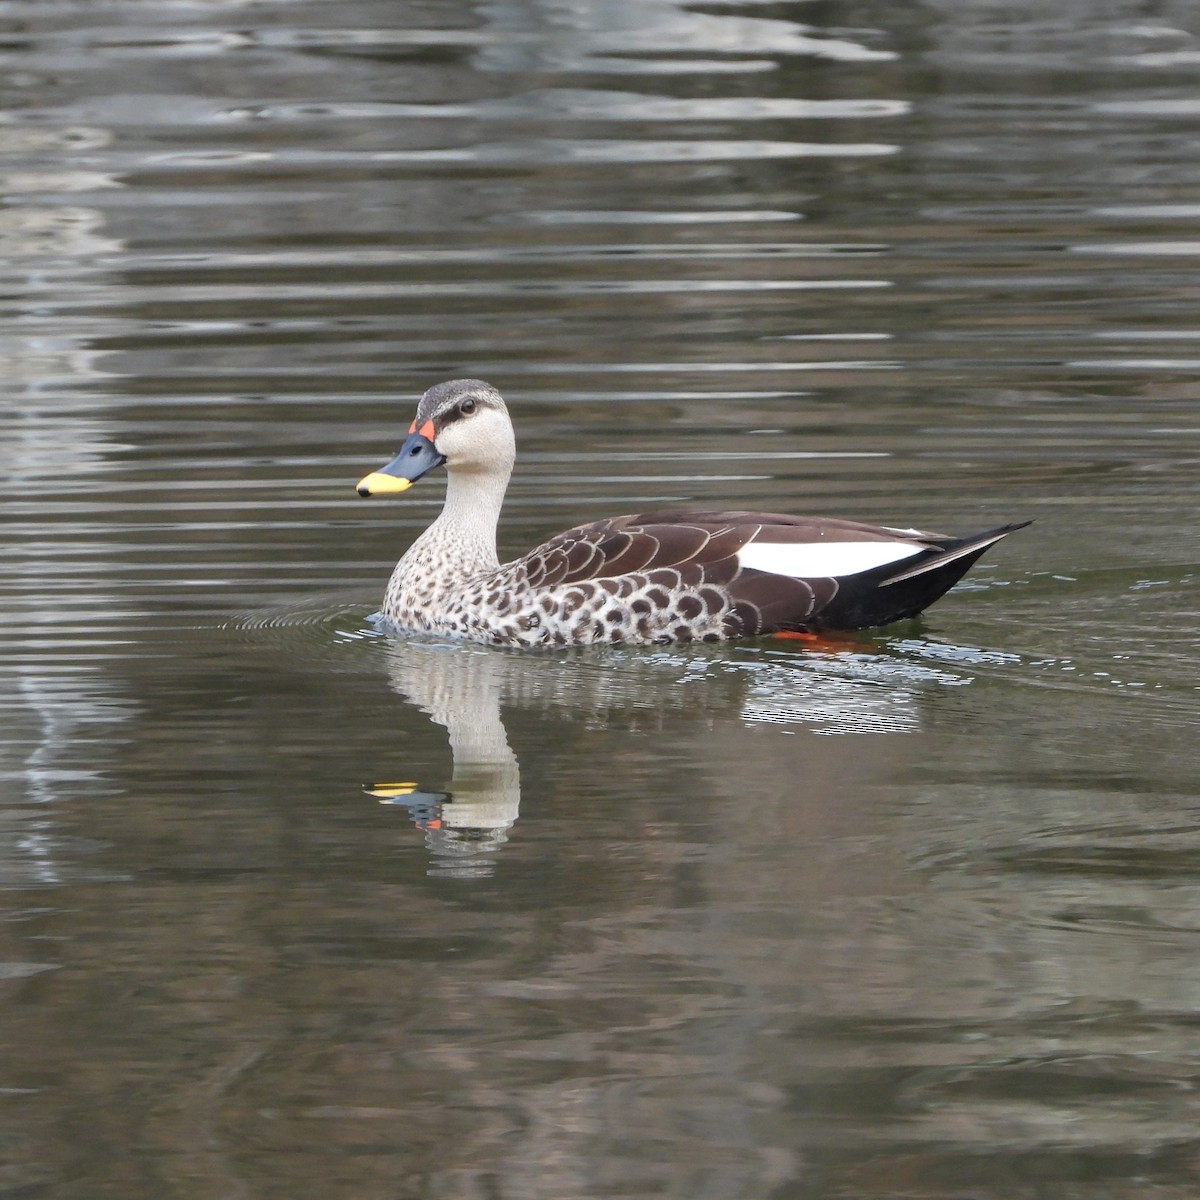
point(388, 791)
point(379, 484)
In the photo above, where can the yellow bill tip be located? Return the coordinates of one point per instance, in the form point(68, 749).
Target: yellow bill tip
point(379, 484)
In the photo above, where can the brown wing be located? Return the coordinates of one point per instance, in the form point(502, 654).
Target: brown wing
point(695, 552)
point(638, 544)
point(643, 542)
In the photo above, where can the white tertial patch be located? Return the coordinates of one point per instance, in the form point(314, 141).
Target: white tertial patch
point(813, 560)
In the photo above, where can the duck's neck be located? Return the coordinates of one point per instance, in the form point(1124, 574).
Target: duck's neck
point(461, 543)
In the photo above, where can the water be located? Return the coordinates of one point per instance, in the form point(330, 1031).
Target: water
point(292, 908)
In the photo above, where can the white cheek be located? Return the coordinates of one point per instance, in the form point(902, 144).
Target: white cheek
point(816, 559)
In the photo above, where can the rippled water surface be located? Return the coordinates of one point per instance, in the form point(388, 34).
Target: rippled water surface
point(293, 908)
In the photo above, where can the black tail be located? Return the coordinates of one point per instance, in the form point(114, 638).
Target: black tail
point(879, 598)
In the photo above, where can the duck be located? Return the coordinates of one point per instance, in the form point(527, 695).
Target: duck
point(653, 578)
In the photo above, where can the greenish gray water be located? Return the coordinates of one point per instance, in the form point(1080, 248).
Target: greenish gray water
point(916, 916)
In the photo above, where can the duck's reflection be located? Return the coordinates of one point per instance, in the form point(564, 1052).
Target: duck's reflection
point(863, 687)
point(460, 687)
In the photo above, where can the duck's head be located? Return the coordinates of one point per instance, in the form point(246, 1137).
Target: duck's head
point(463, 424)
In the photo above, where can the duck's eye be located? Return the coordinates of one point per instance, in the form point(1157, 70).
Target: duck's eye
point(467, 407)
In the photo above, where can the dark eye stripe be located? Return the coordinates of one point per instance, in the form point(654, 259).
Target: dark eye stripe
point(454, 414)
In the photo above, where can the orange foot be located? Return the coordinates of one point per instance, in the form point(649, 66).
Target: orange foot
point(831, 643)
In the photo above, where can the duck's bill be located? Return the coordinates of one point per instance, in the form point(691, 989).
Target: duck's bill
point(379, 483)
point(417, 456)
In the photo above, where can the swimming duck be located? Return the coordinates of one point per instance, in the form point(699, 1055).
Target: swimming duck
point(656, 577)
